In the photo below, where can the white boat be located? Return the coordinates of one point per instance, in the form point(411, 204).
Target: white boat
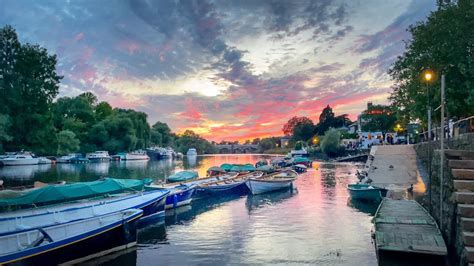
point(98, 156)
point(152, 202)
point(136, 155)
point(303, 152)
point(272, 182)
point(44, 160)
point(66, 158)
point(71, 242)
point(20, 158)
point(191, 152)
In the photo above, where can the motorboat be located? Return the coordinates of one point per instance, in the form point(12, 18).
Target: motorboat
point(44, 160)
point(67, 158)
point(71, 242)
point(98, 156)
point(300, 168)
point(20, 158)
point(191, 152)
point(302, 152)
point(136, 155)
point(272, 182)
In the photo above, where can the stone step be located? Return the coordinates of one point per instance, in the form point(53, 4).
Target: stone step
point(464, 185)
point(468, 238)
point(466, 210)
point(461, 164)
point(463, 173)
point(467, 224)
point(469, 253)
point(460, 154)
point(464, 197)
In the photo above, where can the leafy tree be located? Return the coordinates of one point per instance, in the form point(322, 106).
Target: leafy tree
point(4, 126)
point(67, 142)
point(266, 144)
point(30, 82)
point(330, 144)
point(327, 119)
point(103, 110)
point(444, 44)
point(189, 139)
point(164, 130)
point(289, 127)
point(378, 118)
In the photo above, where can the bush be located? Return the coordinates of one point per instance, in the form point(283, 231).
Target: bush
point(330, 143)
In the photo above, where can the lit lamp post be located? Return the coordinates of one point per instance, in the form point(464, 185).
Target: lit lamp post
point(428, 77)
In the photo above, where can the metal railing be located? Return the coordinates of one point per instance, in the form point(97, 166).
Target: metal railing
point(451, 129)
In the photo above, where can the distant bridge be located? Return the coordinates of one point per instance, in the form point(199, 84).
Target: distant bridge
point(238, 148)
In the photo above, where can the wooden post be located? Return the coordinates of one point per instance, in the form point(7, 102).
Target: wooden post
point(441, 167)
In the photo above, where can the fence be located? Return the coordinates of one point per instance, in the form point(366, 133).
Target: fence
point(452, 129)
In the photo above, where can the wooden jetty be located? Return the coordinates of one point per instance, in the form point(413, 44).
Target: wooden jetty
point(406, 234)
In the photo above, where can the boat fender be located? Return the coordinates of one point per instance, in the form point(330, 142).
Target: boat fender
point(175, 201)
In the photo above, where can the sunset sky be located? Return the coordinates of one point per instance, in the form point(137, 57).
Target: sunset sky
point(230, 70)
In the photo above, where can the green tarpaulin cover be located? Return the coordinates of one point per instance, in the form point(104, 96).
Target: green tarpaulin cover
point(183, 176)
point(297, 160)
point(266, 168)
point(62, 193)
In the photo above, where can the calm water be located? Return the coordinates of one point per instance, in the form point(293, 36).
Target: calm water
point(313, 224)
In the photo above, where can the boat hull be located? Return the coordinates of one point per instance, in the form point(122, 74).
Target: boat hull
point(237, 188)
point(98, 242)
point(262, 186)
point(179, 197)
point(152, 204)
point(136, 157)
point(366, 192)
point(30, 161)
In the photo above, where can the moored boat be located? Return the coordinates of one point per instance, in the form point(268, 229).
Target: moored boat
point(20, 158)
point(272, 182)
point(366, 192)
point(227, 186)
point(151, 202)
point(54, 194)
point(136, 155)
point(98, 156)
point(44, 160)
point(191, 152)
point(300, 168)
point(182, 176)
point(71, 242)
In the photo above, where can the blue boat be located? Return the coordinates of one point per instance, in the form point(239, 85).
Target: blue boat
point(234, 185)
point(151, 202)
point(72, 242)
point(180, 195)
point(366, 192)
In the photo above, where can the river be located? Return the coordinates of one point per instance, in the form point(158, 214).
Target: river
point(315, 223)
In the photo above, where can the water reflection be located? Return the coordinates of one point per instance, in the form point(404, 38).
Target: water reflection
point(260, 201)
point(365, 207)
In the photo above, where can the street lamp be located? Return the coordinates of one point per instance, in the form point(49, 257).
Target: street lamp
point(428, 77)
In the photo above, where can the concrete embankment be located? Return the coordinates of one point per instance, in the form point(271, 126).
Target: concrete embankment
point(395, 167)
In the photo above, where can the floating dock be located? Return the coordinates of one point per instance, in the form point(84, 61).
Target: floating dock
point(406, 234)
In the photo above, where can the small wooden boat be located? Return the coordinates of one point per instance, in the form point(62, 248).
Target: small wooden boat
point(182, 176)
point(366, 192)
point(151, 202)
point(71, 242)
point(215, 171)
point(272, 182)
point(226, 186)
point(300, 168)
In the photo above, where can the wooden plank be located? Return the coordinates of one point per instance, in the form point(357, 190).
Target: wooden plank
point(405, 226)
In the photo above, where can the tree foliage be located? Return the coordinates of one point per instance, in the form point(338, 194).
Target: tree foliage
point(443, 43)
point(29, 84)
point(189, 139)
point(378, 118)
point(327, 119)
point(289, 127)
point(67, 142)
point(330, 144)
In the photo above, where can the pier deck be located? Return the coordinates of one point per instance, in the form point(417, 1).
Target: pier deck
point(403, 226)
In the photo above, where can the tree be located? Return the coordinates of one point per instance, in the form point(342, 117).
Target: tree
point(103, 110)
point(442, 43)
point(67, 142)
point(299, 128)
point(378, 118)
point(330, 144)
point(266, 144)
point(164, 130)
point(30, 82)
point(4, 126)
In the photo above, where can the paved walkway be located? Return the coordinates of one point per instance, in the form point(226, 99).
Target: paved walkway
point(401, 176)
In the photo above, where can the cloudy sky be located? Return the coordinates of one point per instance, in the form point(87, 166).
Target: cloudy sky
point(229, 70)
